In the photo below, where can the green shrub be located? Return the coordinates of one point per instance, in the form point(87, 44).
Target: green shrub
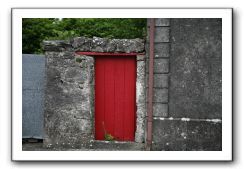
point(35, 30)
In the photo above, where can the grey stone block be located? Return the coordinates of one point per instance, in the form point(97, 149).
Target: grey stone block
point(59, 55)
point(160, 110)
point(160, 65)
point(81, 43)
point(140, 57)
point(141, 110)
point(140, 82)
point(160, 80)
point(129, 45)
point(164, 130)
point(115, 146)
point(159, 95)
point(97, 44)
point(140, 130)
point(57, 45)
point(102, 45)
point(161, 34)
point(161, 50)
point(61, 62)
point(160, 22)
point(178, 135)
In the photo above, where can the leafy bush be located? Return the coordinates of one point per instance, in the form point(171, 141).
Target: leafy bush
point(35, 30)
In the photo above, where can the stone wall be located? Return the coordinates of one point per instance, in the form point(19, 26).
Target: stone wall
point(68, 99)
point(160, 73)
point(69, 102)
point(161, 67)
point(187, 85)
point(187, 110)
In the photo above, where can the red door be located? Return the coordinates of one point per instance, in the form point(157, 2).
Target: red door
point(115, 97)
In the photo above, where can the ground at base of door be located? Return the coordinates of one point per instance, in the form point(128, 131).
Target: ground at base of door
point(95, 146)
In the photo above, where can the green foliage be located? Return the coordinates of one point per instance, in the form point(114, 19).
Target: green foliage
point(35, 30)
point(79, 60)
point(109, 137)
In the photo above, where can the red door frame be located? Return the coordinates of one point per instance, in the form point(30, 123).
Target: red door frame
point(109, 54)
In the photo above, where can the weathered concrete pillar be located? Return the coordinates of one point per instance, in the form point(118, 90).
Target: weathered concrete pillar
point(69, 96)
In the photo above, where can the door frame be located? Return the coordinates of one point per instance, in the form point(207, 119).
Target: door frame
point(140, 131)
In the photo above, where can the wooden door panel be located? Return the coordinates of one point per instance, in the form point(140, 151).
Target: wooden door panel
point(115, 79)
point(99, 98)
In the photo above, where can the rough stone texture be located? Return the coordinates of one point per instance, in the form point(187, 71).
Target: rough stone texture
point(161, 34)
point(140, 57)
point(161, 50)
point(196, 68)
point(140, 129)
point(96, 44)
point(140, 82)
point(68, 116)
point(159, 95)
point(160, 110)
point(116, 146)
point(191, 48)
point(160, 65)
point(140, 100)
point(57, 46)
point(178, 135)
point(81, 43)
point(33, 78)
point(159, 81)
point(160, 22)
point(69, 113)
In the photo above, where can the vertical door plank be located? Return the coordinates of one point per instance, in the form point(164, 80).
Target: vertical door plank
point(109, 95)
point(119, 98)
point(129, 99)
point(99, 98)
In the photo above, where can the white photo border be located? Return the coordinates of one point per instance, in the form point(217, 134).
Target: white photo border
point(19, 155)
